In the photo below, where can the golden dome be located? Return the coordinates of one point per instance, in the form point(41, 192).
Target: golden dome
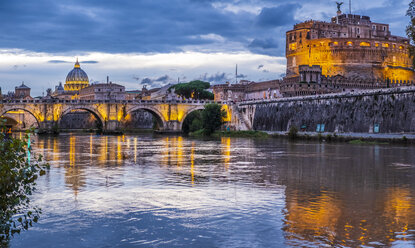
point(76, 79)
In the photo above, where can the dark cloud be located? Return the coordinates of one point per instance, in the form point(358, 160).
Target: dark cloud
point(89, 62)
point(149, 26)
point(264, 46)
point(277, 16)
point(58, 61)
point(219, 77)
point(241, 76)
point(260, 66)
point(157, 81)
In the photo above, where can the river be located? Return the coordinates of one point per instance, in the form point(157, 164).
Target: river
point(172, 191)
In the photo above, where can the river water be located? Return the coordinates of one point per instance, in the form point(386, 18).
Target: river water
point(157, 191)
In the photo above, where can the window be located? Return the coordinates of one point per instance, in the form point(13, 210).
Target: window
point(293, 46)
point(349, 43)
point(358, 30)
point(376, 44)
point(364, 44)
point(401, 47)
point(384, 28)
point(385, 45)
point(374, 27)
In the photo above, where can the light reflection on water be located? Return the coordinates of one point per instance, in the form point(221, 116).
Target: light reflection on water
point(140, 190)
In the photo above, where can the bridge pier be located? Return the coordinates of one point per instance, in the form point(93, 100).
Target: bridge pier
point(171, 127)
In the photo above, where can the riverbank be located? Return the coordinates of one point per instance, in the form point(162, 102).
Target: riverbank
point(353, 138)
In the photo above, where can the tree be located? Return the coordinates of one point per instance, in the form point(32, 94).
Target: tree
point(410, 29)
point(212, 118)
point(18, 174)
point(195, 89)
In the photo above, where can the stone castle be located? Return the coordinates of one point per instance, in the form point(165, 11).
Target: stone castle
point(350, 53)
point(351, 46)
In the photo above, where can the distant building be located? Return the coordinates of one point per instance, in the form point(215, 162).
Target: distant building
point(107, 91)
point(22, 92)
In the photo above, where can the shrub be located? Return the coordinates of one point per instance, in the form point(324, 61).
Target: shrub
point(293, 132)
point(18, 176)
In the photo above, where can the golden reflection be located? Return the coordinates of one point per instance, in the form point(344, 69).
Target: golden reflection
point(135, 150)
point(348, 221)
point(119, 148)
point(91, 142)
point(166, 152)
point(72, 152)
point(192, 163)
point(399, 211)
point(226, 151)
point(73, 174)
point(104, 150)
point(179, 152)
point(313, 218)
point(56, 152)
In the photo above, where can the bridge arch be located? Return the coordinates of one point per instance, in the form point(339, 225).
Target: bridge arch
point(155, 112)
point(31, 112)
point(94, 112)
point(188, 112)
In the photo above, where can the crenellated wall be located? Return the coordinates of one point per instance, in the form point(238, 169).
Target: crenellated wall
point(392, 109)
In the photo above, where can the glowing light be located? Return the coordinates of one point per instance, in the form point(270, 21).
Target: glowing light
point(293, 46)
point(364, 44)
point(385, 45)
point(349, 43)
point(228, 117)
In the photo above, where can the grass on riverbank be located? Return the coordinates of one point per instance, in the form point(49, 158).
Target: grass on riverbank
point(366, 142)
point(236, 134)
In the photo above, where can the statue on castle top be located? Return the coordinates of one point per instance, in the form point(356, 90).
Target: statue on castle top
point(339, 6)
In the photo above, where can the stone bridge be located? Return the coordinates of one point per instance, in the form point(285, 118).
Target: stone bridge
point(111, 113)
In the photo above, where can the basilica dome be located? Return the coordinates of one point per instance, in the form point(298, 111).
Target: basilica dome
point(76, 79)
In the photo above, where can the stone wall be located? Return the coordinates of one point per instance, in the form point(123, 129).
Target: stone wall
point(392, 109)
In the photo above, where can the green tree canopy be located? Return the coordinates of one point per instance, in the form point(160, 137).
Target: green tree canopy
point(212, 117)
point(195, 89)
point(17, 182)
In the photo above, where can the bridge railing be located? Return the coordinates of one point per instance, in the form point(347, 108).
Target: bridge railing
point(62, 101)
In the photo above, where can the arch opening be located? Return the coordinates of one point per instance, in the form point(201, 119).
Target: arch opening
point(143, 119)
point(192, 122)
point(19, 119)
point(80, 119)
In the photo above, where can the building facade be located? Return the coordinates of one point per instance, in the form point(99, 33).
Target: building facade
point(108, 91)
point(351, 46)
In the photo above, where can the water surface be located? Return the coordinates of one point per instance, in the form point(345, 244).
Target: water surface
point(158, 191)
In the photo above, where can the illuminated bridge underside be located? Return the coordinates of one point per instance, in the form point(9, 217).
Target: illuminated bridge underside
point(112, 114)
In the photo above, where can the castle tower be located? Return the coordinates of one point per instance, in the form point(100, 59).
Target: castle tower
point(352, 46)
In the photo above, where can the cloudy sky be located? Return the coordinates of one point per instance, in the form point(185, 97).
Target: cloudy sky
point(155, 42)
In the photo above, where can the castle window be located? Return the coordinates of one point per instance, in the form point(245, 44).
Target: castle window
point(376, 44)
point(401, 47)
point(358, 30)
point(293, 46)
point(349, 43)
point(384, 28)
point(385, 45)
point(394, 45)
point(364, 44)
point(374, 27)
